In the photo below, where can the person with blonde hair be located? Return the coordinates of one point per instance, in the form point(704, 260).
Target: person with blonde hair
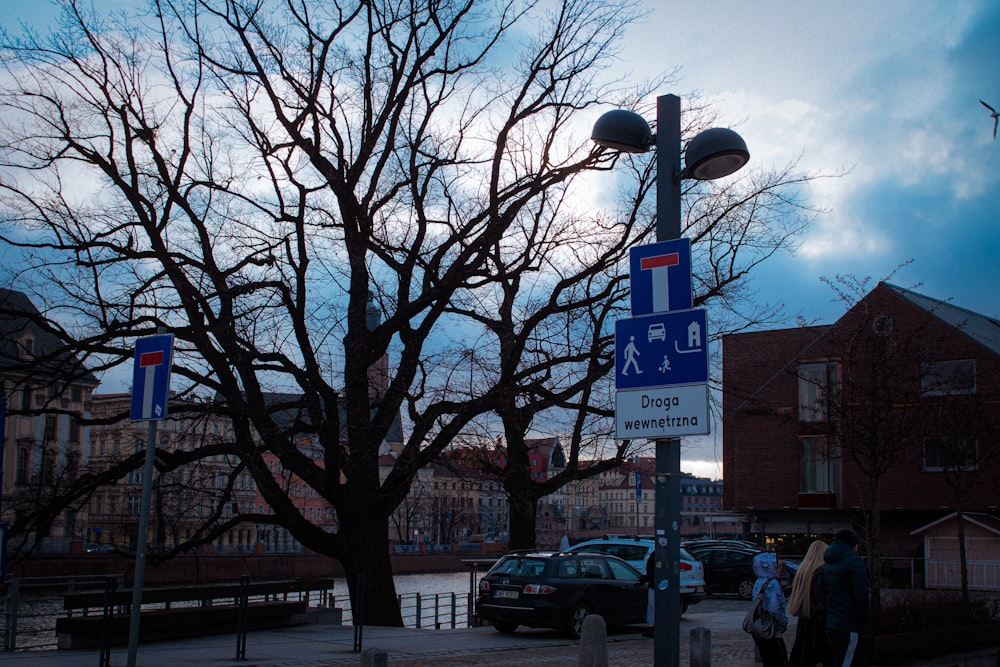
point(806, 601)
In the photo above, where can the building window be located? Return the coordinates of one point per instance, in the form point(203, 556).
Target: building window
point(939, 378)
point(954, 454)
point(22, 465)
point(133, 504)
point(74, 429)
point(818, 473)
point(817, 387)
point(49, 433)
point(27, 347)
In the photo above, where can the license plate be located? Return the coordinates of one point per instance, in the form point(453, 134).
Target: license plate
point(505, 594)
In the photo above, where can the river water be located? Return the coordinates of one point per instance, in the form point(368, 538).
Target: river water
point(36, 614)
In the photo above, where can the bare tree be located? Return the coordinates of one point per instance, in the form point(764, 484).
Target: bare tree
point(889, 410)
point(962, 440)
point(554, 345)
point(244, 174)
point(870, 406)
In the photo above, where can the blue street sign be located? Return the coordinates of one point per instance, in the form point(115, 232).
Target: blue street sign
point(660, 275)
point(638, 486)
point(661, 350)
point(151, 377)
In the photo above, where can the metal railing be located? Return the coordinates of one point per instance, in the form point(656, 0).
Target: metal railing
point(433, 610)
point(983, 575)
point(31, 605)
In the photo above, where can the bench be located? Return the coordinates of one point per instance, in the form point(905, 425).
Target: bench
point(188, 611)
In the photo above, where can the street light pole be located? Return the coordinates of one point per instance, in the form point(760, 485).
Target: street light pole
point(713, 153)
point(667, 599)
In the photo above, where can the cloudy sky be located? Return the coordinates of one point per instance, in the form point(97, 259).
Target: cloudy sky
point(888, 91)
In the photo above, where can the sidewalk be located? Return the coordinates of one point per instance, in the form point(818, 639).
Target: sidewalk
point(330, 645)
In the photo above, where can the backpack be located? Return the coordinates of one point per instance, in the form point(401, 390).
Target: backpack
point(759, 622)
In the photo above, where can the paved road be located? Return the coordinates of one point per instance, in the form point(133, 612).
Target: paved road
point(330, 646)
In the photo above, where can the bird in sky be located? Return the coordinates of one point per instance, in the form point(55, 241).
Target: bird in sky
point(994, 116)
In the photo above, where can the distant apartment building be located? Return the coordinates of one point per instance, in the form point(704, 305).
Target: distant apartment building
point(182, 501)
point(44, 394)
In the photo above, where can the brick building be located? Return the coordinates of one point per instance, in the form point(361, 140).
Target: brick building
point(902, 385)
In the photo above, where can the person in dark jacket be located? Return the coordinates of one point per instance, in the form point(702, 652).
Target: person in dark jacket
point(651, 594)
point(844, 583)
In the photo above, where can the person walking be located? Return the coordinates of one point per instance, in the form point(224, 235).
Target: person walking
point(811, 645)
point(846, 595)
point(766, 566)
point(650, 595)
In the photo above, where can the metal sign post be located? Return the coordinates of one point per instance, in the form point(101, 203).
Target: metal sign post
point(150, 395)
point(661, 282)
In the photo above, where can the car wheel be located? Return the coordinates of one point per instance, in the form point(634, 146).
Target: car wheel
point(506, 627)
point(576, 617)
point(745, 588)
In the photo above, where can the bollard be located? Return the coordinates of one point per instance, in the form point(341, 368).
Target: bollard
point(242, 600)
point(701, 647)
point(374, 657)
point(13, 592)
point(110, 586)
point(593, 642)
point(358, 613)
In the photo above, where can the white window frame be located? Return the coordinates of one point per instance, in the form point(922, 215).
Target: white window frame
point(815, 390)
point(945, 378)
point(967, 466)
point(819, 470)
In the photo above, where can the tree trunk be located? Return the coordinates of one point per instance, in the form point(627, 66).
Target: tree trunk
point(874, 535)
point(963, 556)
point(523, 509)
point(368, 572)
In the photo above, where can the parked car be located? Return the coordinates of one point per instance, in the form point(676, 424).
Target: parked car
point(729, 569)
point(635, 551)
point(726, 543)
point(542, 589)
point(98, 549)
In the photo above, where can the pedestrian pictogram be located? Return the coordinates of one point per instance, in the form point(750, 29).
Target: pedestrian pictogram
point(661, 350)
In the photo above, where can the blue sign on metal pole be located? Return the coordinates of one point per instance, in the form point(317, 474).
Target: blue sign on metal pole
point(638, 486)
point(151, 377)
point(660, 275)
point(661, 350)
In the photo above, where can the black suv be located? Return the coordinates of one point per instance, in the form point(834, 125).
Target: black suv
point(558, 590)
point(729, 568)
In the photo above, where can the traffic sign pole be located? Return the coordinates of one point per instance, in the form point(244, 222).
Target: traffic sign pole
point(150, 396)
point(666, 577)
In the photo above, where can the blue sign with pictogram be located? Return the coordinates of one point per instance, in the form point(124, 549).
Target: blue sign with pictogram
point(638, 486)
point(151, 377)
point(661, 350)
point(660, 275)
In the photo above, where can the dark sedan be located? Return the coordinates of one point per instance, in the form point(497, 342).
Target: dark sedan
point(729, 568)
point(559, 590)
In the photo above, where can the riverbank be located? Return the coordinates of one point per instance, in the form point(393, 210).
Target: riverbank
point(196, 569)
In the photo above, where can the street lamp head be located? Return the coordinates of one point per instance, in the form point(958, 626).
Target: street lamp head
point(715, 153)
point(622, 130)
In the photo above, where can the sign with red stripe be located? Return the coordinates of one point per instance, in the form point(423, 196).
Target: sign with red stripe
point(151, 377)
point(660, 275)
